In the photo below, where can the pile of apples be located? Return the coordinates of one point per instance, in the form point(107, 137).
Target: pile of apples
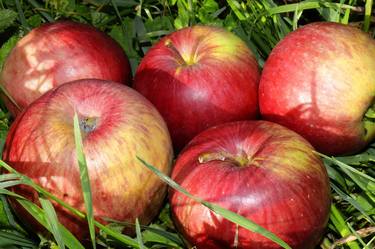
point(242, 139)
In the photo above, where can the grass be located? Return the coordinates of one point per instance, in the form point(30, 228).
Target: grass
point(136, 25)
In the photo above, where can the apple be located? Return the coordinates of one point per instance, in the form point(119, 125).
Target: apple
point(260, 170)
point(319, 82)
point(117, 124)
point(56, 53)
point(198, 77)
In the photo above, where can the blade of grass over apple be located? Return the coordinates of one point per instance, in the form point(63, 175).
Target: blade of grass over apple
point(52, 221)
point(85, 180)
point(121, 238)
point(40, 215)
point(155, 234)
point(234, 217)
point(139, 234)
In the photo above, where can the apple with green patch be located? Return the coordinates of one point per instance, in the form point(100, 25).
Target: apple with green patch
point(260, 170)
point(198, 77)
point(319, 82)
point(58, 52)
point(117, 124)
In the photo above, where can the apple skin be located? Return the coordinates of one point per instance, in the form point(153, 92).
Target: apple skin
point(40, 144)
point(319, 82)
point(60, 52)
point(198, 77)
point(260, 170)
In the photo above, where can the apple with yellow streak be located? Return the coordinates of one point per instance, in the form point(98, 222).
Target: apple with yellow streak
point(198, 77)
point(260, 170)
point(58, 52)
point(319, 82)
point(117, 124)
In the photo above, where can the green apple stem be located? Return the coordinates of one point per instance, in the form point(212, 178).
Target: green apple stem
point(239, 160)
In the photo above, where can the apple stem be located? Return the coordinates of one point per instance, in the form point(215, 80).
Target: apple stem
point(239, 160)
point(168, 43)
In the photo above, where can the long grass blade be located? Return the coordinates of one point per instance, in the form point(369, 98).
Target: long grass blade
point(306, 5)
point(41, 217)
point(352, 201)
point(21, 16)
point(139, 234)
point(338, 221)
point(52, 221)
point(7, 211)
point(121, 238)
point(234, 217)
point(41, 11)
point(85, 180)
point(8, 238)
point(368, 10)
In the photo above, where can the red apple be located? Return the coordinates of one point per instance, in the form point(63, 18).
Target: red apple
point(56, 53)
point(260, 170)
point(319, 82)
point(117, 124)
point(198, 77)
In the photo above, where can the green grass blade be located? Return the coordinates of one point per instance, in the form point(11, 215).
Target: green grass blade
point(7, 212)
point(368, 10)
point(126, 240)
point(235, 6)
point(234, 217)
point(365, 181)
point(85, 180)
point(52, 221)
point(8, 238)
point(40, 10)
point(338, 221)
point(8, 177)
point(8, 184)
point(121, 238)
point(21, 16)
point(305, 5)
point(352, 201)
point(139, 234)
point(39, 214)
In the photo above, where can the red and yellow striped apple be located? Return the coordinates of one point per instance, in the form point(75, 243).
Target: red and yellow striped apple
point(319, 82)
point(198, 77)
point(117, 124)
point(260, 170)
point(59, 52)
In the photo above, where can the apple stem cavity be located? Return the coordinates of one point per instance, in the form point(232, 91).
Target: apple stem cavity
point(88, 124)
point(239, 160)
point(180, 59)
